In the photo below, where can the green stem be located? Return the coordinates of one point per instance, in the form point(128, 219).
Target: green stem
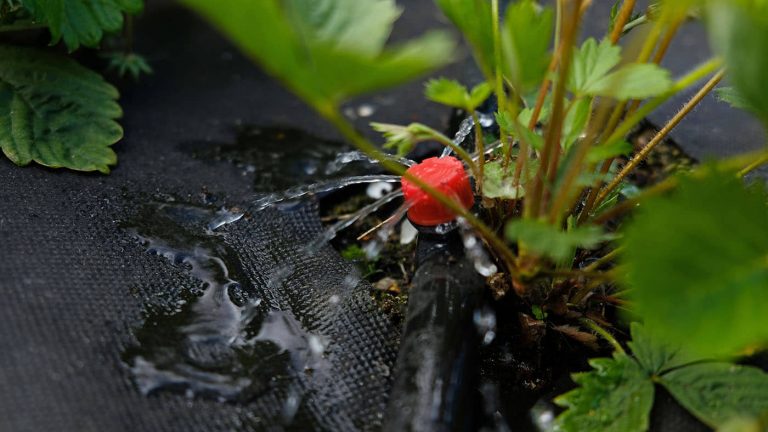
point(604, 334)
point(480, 149)
point(501, 95)
point(610, 256)
point(674, 121)
point(554, 128)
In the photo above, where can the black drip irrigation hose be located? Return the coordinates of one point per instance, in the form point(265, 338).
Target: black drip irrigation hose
point(436, 372)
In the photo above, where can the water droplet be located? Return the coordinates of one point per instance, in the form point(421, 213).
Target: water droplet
point(408, 232)
point(485, 322)
point(365, 110)
point(378, 190)
point(224, 217)
point(476, 251)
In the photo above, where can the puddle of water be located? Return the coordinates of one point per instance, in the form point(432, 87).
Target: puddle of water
point(218, 340)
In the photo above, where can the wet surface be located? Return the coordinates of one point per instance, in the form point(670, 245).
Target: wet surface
point(217, 340)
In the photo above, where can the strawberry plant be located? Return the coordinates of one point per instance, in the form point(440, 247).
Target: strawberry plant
point(54, 111)
point(687, 256)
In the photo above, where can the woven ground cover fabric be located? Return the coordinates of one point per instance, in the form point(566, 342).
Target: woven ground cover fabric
point(77, 285)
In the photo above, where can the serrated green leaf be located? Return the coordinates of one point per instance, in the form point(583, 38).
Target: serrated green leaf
point(731, 96)
point(81, 22)
point(653, 354)
point(633, 81)
point(616, 396)
point(311, 51)
point(696, 263)
point(717, 392)
point(575, 122)
point(738, 29)
point(548, 240)
point(452, 93)
point(608, 151)
point(591, 62)
point(478, 95)
point(55, 112)
point(447, 92)
point(526, 36)
point(474, 19)
point(128, 64)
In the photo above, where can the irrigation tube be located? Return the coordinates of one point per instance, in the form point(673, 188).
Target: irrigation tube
point(436, 372)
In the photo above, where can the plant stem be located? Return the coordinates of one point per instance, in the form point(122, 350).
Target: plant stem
point(610, 256)
point(760, 161)
point(331, 114)
point(544, 89)
point(480, 149)
point(674, 121)
point(501, 95)
point(621, 20)
point(554, 127)
point(603, 333)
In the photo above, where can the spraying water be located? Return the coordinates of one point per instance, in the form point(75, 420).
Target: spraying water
point(326, 186)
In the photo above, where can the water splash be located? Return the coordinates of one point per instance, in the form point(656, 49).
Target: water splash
point(475, 250)
point(332, 231)
point(346, 158)
point(320, 187)
point(374, 247)
point(197, 348)
point(223, 217)
point(485, 322)
point(378, 190)
point(466, 127)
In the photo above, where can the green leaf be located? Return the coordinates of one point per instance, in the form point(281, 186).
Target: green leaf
point(311, 46)
point(696, 263)
point(446, 92)
point(575, 122)
point(81, 22)
point(474, 19)
point(526, 37)
point(452, 93)
point(717, 392)
point(128, 64)
point(361, 27)
point(738, 29)
point(55, 112)
point(633, 81)
point(591, 62)
point(608, 151)
point(615, 397)
point(545, 239)
point(478, 95)
point(731, 96)
point(653, 355)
